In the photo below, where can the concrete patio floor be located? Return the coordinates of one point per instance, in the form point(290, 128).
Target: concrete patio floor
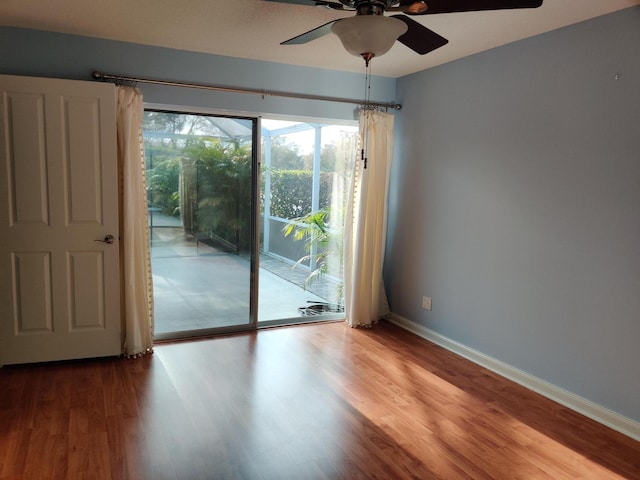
point(199, 287)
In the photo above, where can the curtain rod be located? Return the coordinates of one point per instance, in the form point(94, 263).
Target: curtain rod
point(120, 78)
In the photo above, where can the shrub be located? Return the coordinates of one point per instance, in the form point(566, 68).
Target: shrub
point(220, 180)
point(162, 186)
point(291, 192)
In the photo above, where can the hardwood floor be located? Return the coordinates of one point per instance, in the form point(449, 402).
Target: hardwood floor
point(308, 402)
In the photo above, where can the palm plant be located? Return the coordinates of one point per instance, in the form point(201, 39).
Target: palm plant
point(322, 244)
point(223, 191)
point(162, 181)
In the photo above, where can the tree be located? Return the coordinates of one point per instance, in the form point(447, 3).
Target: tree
point(285, 155)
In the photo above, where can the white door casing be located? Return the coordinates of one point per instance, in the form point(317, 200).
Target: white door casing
point(59, 287)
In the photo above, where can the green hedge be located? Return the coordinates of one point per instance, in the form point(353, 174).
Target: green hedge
point(291, 192)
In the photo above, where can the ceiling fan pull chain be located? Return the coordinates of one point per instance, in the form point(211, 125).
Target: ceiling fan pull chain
point(367, 107)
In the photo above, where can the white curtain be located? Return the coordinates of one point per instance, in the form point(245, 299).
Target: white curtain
point(137, 293)
point(366, 222)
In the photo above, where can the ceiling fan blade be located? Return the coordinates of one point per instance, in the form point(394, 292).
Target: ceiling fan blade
point(306, 37)
point(418, 37)
point(449, 6)
point(313, 3)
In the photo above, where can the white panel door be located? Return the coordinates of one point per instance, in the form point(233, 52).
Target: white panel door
point(59, 287)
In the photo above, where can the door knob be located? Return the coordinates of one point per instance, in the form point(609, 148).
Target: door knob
point(107, 239)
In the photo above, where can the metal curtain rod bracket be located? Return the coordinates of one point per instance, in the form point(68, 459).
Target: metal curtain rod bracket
point(132, 80)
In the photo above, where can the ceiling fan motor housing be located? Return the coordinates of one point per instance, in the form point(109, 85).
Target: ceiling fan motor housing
point(378, 7)
point(356, 3)
point(368, 7)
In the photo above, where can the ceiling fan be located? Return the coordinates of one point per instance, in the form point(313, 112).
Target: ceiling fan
point(370, 33)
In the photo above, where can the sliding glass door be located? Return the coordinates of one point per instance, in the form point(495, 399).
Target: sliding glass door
point(202, 190)
point(204, 197)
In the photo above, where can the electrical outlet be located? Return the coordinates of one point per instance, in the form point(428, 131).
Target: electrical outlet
point(426, 303)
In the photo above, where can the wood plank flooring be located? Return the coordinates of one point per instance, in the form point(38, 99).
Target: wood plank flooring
point(310, 402)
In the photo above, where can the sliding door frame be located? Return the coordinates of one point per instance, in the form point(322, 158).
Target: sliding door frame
point(255, 225)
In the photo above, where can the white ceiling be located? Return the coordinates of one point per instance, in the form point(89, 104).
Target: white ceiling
point(253, 29)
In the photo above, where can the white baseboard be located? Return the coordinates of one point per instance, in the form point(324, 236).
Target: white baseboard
point(581, 405)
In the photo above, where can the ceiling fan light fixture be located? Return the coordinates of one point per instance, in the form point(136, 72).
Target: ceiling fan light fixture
point(368, 36)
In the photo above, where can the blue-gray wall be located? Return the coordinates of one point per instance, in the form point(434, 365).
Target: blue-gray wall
point(515, 205)
point(45, 54)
